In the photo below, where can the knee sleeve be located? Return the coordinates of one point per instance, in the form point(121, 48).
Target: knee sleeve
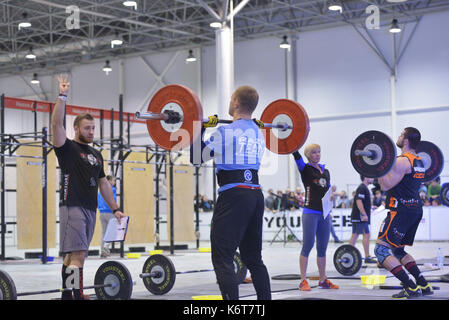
point(399, 253)
point(381, 252)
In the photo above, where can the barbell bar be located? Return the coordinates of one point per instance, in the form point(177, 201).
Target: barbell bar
point(373, 154)
point(181, 115)
point(113, 281)
point(159, 273)
point(175, 118)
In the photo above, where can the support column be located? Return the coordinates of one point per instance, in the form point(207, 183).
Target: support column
point(291, 93)
point(224, 68)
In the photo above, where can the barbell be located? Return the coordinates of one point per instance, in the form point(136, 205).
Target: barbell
point(159, 273)
point(373, 155)
point(175, 117)
point(112, 281)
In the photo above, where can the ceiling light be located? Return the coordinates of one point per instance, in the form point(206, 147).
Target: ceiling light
point(35, 80)
point(24, 23)
point(107, 68)
point(30, 54)
point(284, 44)
point(394, 28)
point(130, 4)
point(190, 57)
point(335, 6)
point(215, 24)
point(117, 41)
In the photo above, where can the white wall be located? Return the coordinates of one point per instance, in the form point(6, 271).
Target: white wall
point(338, 74)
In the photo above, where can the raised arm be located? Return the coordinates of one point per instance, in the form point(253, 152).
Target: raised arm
point(57, 118)
point(392, 178)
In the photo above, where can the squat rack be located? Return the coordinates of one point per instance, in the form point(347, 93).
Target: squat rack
point(116, 145)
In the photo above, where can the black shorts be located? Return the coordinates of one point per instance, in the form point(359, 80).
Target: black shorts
point(399, 227)
point(360, 227)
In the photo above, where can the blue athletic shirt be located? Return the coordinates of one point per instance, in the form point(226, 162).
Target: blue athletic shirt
point(102, 205)
point(237, 146)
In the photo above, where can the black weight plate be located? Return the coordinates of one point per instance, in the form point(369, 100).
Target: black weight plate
point(432, 158)
point(7, 287)
point(444, 194)
point(115, 273)
point(239, 267)
point(384, 148)
point(163, 265)
point(347, 260)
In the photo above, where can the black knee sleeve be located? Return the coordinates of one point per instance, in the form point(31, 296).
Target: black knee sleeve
point(399, 253)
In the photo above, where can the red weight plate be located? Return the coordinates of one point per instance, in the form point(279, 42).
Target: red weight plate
point(299, 121)
point(176, 136)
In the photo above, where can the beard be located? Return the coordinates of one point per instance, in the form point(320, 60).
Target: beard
point(85, 139)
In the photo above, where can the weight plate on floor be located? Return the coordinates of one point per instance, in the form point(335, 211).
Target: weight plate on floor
point(167, 274)
point(119, 281)
point(347, 260)
point(7, 287)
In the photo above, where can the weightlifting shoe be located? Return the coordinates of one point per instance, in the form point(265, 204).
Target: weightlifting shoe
point(326, 284)
point(67, 295)
point(408, 293)
point(304, 286)
point(370, 260)
point(426, 290)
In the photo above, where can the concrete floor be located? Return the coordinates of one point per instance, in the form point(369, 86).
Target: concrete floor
point(31, 275)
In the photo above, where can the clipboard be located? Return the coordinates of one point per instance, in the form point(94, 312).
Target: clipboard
point(327, 203)
point(116, 232)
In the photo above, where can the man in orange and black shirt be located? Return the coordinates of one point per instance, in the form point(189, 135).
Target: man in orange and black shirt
point(399, 227)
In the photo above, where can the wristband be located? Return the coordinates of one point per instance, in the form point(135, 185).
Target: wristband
point(115, 210)
point(63, 97)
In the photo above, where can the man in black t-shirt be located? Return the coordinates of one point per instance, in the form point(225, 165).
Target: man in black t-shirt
point(360, 216)
point(82, 175)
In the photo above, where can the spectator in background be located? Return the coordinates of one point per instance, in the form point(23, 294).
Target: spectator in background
point(424, 198)
point(343, 202)
point(433, 191)
point(270, 201)
point(334, 196)
point(334, 235)
point(351, 201)
point(299, 194)
point(277, 204)
point(292, 203)
point(378, 200)
point(105, 216)
point(206, 204)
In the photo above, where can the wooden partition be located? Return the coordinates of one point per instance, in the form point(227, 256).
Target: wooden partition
point(96, 240)
point(183, 193)
point(139, 199)
point(29, 198)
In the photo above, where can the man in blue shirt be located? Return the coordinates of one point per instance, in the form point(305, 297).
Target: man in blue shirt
point(238, 214)
point(105, 216)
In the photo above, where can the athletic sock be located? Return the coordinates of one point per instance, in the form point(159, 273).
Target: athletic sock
point(413, 269)
point(64, 276)
point(66, 295)
point(78, 293)
point(400, 273)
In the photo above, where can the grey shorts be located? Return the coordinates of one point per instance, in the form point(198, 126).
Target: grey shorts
point(76, 228)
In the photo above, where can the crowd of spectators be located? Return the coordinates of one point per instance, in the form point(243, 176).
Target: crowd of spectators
point(284, 200)
point(289, 200)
